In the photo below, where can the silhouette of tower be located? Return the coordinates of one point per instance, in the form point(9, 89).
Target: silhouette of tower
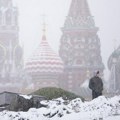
point(80, 46)
point(11, 53)
point(114, 67)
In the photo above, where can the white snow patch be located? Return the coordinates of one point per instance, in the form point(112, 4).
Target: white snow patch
point(101, 108)
point(26, 96)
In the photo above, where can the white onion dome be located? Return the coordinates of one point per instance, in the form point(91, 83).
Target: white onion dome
point(44, 60)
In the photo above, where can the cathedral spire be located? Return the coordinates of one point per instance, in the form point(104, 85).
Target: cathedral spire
point(79, 16)
point(79, 7)
point(80, 45)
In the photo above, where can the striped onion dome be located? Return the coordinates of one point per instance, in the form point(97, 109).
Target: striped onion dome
point(44, 60)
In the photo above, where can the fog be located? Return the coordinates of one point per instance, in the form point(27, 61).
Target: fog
point(105, 12)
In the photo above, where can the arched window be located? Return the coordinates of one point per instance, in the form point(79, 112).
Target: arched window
point(1, 18)
point(8, 17)
point(15, 18)
point(2, 53)
point(18, 54)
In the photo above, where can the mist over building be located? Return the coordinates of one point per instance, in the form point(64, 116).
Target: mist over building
point(80, 46)
point(11, 52)
point(79, 54)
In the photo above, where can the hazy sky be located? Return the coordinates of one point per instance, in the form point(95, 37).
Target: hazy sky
point(106, 15)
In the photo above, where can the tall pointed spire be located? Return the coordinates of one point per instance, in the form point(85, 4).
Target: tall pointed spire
point(80, 46)
point(79, 15)
point(79, 7)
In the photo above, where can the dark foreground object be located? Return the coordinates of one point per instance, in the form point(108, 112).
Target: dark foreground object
point(15, 102)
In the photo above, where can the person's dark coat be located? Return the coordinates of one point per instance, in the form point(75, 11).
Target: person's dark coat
point(96, 84)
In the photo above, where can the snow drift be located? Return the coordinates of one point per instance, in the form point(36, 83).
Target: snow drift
point(59, 109)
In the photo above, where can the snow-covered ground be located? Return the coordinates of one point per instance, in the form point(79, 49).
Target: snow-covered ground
point(101, 108)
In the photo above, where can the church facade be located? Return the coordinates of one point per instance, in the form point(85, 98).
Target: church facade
point(79, 53)
point(11, 53)
point(79, 46)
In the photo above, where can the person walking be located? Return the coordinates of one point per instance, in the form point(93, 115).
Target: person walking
point(96, 85)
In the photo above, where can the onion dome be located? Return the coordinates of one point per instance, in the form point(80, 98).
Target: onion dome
point(114, 57)
point(44, 60)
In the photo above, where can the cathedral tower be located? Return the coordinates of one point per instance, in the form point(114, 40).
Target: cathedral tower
point(114, 67)
point(11, 53)
point(80, 46)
